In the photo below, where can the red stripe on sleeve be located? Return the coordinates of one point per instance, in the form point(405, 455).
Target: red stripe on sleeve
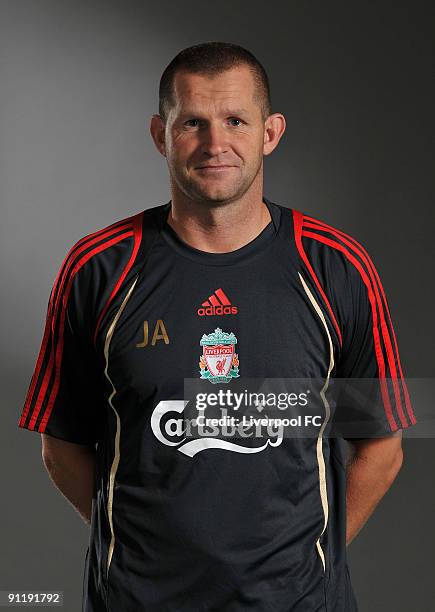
point(56, 354)
point(137, 229)
point(42, 352)
point(377, 285)
point(79, 247)
point(372, 299)
point(69, 264)
point(110, 230)
point(384, 328)
point(298, 220)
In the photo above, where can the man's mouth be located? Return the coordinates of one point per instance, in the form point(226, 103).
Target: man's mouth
point(212, 169)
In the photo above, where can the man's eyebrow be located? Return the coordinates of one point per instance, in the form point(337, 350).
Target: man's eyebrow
point(234, 111)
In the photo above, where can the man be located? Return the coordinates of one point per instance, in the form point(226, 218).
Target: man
point(219, 284)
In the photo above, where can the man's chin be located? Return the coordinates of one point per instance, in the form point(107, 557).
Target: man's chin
point(215, 196)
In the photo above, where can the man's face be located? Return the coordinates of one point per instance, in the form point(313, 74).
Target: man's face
point(215, 122)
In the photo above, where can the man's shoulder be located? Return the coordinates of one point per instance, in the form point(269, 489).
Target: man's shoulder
point(133, 223)
point(100, 240)
point(112, 243)
point(330, 244)
point(320, 230)
point(336, 262)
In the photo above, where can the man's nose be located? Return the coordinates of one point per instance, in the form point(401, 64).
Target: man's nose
point(214, 139)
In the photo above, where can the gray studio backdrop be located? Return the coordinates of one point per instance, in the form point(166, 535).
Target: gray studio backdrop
point(78, 85)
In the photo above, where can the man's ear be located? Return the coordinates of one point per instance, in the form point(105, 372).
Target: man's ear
point(157, 130)
point(275, 126)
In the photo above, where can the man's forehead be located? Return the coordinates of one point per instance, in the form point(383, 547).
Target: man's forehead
point(227, 91)
point(234, 77)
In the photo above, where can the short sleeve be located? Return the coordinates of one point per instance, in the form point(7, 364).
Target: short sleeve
point(64, 395)
point(371, 393)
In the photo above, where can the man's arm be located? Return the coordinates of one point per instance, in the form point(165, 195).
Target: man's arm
point(71, 468)
point(372, 468)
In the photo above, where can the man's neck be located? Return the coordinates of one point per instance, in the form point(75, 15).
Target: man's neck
point(219, 229)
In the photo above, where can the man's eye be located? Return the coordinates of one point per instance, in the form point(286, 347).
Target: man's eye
point(191, 122)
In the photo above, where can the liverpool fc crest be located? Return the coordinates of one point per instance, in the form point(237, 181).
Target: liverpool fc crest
point(218, 362)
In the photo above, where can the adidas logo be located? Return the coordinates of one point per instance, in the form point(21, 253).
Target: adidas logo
point(217, 304)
